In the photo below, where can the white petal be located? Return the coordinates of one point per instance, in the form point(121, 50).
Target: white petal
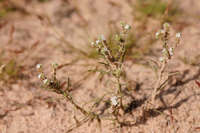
point(127, 27)
point(97, 42)
point(46, 81)
point(178, 35)
point(38, 66)
point(114, 100)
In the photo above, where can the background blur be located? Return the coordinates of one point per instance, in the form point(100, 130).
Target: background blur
point(46, 31)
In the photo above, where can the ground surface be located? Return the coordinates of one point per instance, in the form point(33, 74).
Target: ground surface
point(27, 108)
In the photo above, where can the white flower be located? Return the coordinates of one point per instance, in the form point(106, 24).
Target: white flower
point(171, 51)
point(114, 100)
point(92, 43)
point(127, 27)
point(157, 34)
point(161, 59)
point(105, 49)
point(178, 35)
point(103, 38)
point(46, 81)
point(97, 42)
point(40, 76)
point(38, 66)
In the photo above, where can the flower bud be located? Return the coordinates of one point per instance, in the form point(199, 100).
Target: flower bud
point(93, 44)
point(46, 81)
point(114, 100)
point(178, 35)
point(39, 66)
point(171, 51)
point(161, 59)
point(157, 34)
point(127, 27)
point(97, 42)
point(41, 76)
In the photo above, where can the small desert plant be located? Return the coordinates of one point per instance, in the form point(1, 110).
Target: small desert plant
point(113, 61)
point(167, 54)
point(113, 58)
point(55, 85)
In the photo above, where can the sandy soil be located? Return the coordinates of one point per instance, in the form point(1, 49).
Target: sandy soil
point(27, 108)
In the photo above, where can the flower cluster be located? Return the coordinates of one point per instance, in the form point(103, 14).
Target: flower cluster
point(41, 75)
point(114, 101)
point(113, 56)
point(48, 82)
point(104, 49)
point(163, 34)
point(167, 53)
